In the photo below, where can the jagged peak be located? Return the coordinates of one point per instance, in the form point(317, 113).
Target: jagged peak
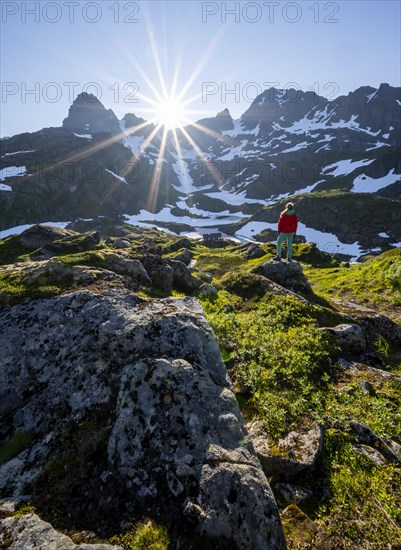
point(89, 114)
point(130, 120)
point(224, 113)
point(86, 98)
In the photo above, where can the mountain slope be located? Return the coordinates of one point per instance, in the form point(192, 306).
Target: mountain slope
point(211, 173)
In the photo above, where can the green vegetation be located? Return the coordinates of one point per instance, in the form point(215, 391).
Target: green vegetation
point(11, 250)
point(365, 503)
point(285, 372)
point(23, 509)
point(148, 535)
point(19, 442)
point(376, 282)
point(281, 358)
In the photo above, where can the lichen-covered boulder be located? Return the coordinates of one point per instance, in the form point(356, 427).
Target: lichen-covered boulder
point(121, 263)
point(122, 243)
point(120, 408)
point(208, 291)
point(295, 452)
point(184, 255)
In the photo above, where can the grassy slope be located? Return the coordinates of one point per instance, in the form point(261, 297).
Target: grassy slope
point(285, 373)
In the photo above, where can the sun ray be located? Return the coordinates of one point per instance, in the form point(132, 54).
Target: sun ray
point(157, 172)
point(214, 172)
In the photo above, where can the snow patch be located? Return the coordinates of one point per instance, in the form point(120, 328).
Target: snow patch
point(133, 143)
point(346, 166)
point(4, 187)
point(251, 229)
point(235, 199)
point(84, 136)
point(365, 184)
point(18, 153)
point(117, 176)
point(11, 171)
point(150, 218)
point(384, 235)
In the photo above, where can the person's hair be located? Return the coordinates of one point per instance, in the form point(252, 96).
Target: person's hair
point(288, 206)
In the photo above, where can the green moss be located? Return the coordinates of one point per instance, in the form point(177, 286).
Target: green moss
point(18, 443)
point(147, 535)
point(13, 289)
point(24, 509)
point(247, 285)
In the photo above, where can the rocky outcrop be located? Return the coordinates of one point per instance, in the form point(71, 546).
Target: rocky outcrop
point(41, 235)
point(291, 494)
point(370, 444)
point(183, 278)
point(351, 338)
point(125, 410)
point(159, 271)
point(295, 452)
point(28, 531)
point(288, 275)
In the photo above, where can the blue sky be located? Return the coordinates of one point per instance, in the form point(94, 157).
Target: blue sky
point(222, 53)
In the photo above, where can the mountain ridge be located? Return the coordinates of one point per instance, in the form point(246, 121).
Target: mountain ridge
point(286, 143)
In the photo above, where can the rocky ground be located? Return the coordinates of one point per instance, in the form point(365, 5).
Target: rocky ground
point(121, 403)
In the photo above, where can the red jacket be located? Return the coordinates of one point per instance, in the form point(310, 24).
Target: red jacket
point(288, 222)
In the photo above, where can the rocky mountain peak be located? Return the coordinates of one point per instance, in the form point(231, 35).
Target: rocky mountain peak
point(88, 114)
point(131, 121)
point(221, 122)
point(276, 104)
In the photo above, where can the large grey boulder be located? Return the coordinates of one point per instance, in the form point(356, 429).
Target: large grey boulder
point(129, 411)
point(287, 274)
point(123, 264)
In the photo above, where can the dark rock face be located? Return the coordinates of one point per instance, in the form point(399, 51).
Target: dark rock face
point(274, 103)
point(183, 278)
point(87, 114)
point(129, 410)
point(159, 271)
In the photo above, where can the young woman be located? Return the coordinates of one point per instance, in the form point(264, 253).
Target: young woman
point(287, 228)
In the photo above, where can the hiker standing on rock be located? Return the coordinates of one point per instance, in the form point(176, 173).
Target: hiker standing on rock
point(287, 228)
